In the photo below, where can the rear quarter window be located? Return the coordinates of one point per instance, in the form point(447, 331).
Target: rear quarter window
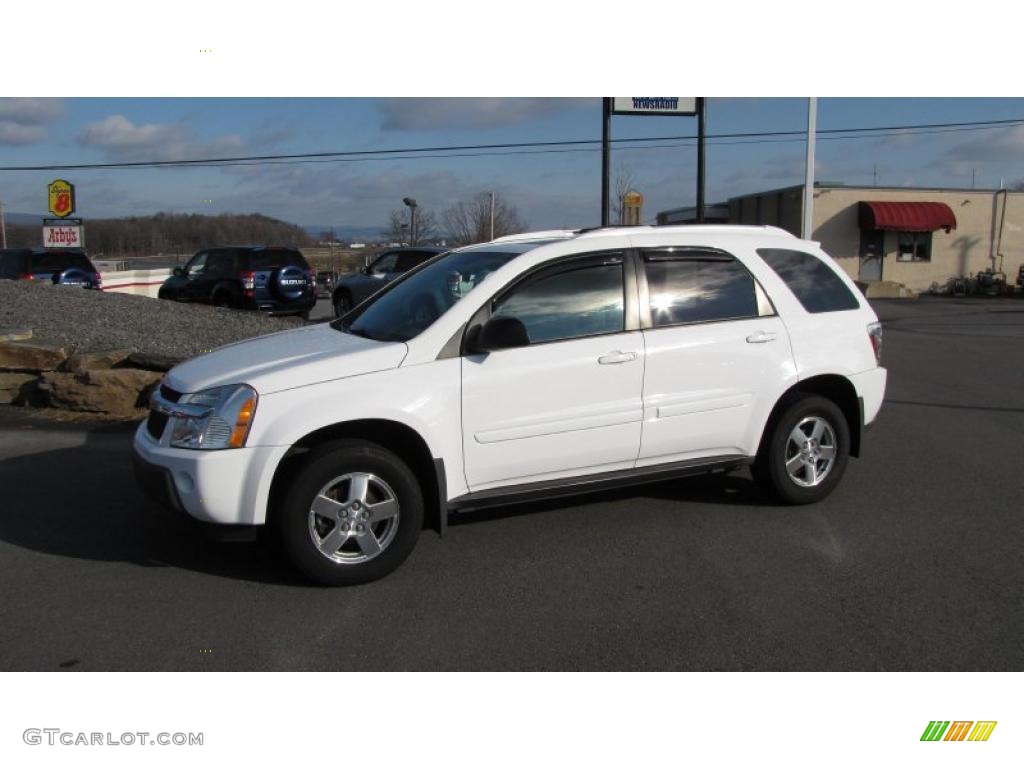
point(814, 283)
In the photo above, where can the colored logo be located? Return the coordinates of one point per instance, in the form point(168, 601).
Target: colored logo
point(958, 730)
point(62, 198)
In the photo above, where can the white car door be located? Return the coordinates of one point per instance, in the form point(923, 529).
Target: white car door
point(568, 402)
point(718, 357)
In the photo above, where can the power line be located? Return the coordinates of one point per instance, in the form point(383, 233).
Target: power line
point(534, 147)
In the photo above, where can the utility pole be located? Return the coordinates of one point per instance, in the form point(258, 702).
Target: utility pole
point(492, 215)
point(3, 227)
point(606, 156)
point(874, 176)
point(812, 119)
point(701, 111)
point(973, 176)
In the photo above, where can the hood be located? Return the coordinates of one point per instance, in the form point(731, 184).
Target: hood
point(286, 360)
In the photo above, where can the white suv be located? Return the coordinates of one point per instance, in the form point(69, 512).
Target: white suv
point(531, 366)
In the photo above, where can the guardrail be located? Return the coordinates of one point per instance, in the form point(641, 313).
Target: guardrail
point(141, 282)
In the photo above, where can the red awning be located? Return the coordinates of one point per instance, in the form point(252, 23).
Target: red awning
point(907, 217)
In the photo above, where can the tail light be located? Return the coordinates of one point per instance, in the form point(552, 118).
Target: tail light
point(875, 334)
point(248, 282)
point(97, 281)
point(312, 277)
point(26, 276)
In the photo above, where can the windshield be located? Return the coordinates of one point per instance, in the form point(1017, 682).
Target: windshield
point(412, 304)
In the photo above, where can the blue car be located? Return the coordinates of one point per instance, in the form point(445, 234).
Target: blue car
point(61, 266)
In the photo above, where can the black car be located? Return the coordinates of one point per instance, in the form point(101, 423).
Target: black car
point(61, 266)
point(273, 279)
point(353, 289)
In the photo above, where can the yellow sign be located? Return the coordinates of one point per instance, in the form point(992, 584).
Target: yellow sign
point(62, 198)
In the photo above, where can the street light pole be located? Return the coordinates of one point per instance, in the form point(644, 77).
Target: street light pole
point(812, 119)
point(412, 219)
point(3, 227)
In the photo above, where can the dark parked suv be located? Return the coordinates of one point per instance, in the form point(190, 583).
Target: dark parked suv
point(62, 266)
point(273, 279)
point(355, 288)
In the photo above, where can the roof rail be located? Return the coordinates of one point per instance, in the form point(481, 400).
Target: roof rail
point(549, 234)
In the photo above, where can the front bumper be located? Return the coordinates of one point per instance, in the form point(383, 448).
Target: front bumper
point(228, 487)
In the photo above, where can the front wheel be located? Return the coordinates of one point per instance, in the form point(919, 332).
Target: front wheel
point(353, 513)
point(805, 455)
point(342, 304)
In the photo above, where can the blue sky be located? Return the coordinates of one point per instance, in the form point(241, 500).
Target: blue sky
point(549, 190)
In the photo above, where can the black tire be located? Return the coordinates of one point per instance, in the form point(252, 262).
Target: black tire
point(342, 303)
point(324, 464)
point(770, 469)
point(223, 299)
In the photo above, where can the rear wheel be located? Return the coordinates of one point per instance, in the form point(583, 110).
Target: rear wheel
point(805, 455)
point(222, 299)
point(353, 513)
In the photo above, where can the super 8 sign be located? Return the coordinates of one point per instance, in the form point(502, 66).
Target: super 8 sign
point(62, 198)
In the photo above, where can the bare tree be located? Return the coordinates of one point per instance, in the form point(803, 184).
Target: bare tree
point(624, 181)
point(398, 226)
point(469, 221)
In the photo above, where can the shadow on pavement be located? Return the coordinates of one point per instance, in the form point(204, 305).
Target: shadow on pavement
point(82, 502)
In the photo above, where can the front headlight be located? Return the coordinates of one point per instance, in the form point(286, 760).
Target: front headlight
point(225, 423)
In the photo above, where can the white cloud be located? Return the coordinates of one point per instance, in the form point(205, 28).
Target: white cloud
point(1003, 145)
point(424, 114)
point(121, 139)
point(23, 121)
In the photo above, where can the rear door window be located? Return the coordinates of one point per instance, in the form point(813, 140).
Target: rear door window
point(58, 262)
point(814, 283)
point(699, 287)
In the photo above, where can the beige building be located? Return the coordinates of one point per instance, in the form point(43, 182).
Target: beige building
point(915, 237)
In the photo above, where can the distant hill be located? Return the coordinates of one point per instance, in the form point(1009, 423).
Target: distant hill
point(168, 233)
point(345, 233)
point(23, 219)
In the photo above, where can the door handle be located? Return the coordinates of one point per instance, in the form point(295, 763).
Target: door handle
point(618, 356)
point(760, 337)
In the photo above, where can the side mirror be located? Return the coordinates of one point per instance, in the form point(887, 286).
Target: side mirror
point(178, 272)
point(497, 333)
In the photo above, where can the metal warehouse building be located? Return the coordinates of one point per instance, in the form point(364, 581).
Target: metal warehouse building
point(915, 237)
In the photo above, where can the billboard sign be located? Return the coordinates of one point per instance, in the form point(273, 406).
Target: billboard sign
point(683, 106)
point(63, 236)
point(61, 196)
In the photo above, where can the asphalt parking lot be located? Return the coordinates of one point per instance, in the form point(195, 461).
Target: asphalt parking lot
point(914, 563)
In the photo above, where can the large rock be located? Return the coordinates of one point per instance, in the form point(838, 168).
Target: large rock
point(15, 386)
point(96, 361)
point(121, 392)
point(153, 362)
point(23, 356)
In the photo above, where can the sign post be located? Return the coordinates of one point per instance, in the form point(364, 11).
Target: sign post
point(677, 106)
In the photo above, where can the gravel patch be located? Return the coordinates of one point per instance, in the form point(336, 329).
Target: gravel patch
point(92, 321)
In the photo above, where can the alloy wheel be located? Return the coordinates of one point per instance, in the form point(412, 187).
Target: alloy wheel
point(810, 451)
point(354, 518)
